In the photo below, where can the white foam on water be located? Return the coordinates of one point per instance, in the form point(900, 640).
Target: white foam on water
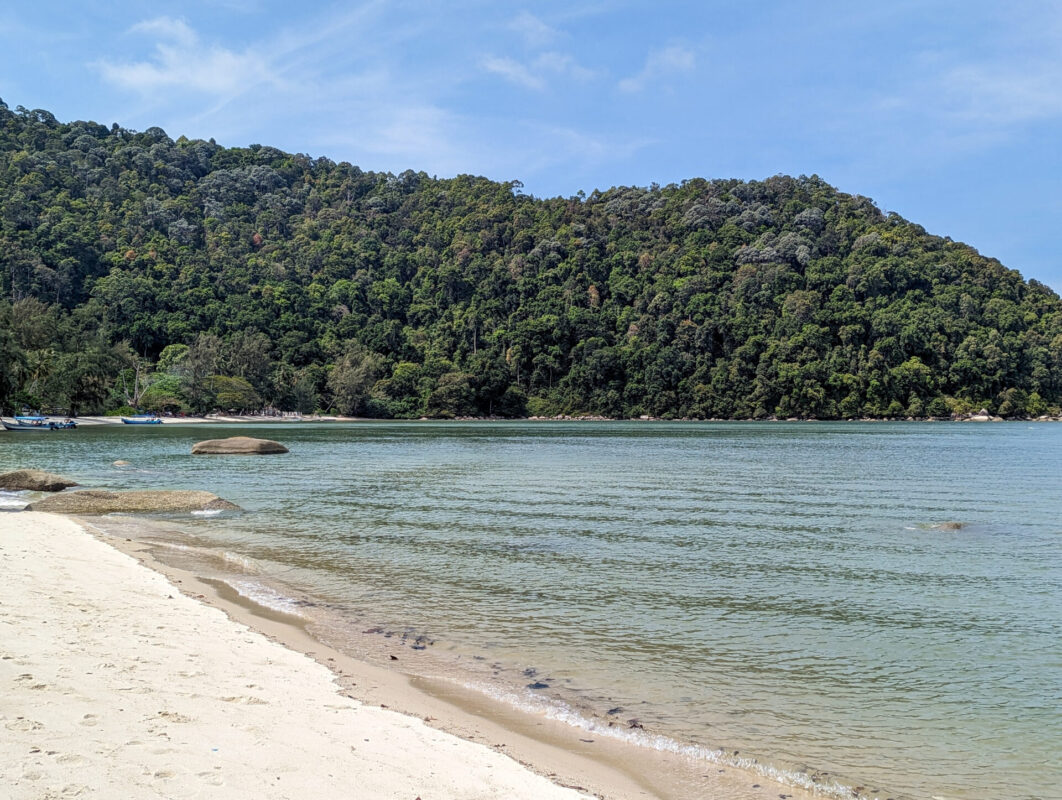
point(12, 500)
point(245, 563)
point(174, 546)
point(561, 712)
point(208, 512)
point(267, 597)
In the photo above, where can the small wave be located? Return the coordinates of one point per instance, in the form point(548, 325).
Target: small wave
point(10, 501)
point(208, 512)
point(561, 712)
point(242, 563)
point(267, 597)
point(175, 546)
point(245, 563)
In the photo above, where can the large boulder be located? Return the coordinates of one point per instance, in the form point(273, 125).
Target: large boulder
point(94, 501)
point(35, 480)
point(238, 445)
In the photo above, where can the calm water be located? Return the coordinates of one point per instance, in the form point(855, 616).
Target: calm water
point(770, 588)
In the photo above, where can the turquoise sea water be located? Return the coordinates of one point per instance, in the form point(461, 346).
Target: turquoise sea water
point(774, 589)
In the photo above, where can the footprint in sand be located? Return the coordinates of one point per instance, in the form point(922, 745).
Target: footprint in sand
point(165, 773)
point(23, 724)
point(72, 759)
point(173, 716)
point(213, 778)
point(90, 721)
point(245, 700)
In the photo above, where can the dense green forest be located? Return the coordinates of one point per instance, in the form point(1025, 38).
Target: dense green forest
point(140, 271)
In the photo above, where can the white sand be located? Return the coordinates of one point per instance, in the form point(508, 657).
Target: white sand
point(115, 685)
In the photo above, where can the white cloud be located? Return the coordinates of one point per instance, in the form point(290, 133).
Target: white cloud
point(540, 71)
point(514, 72)
point(659, 64)
point(182, 61)
point(168, 28)
point(564, 65)
point(415, 134)
point(343, 83)
point(1001, 94)
point(534, 31)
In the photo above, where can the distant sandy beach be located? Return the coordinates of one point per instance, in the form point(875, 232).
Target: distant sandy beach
point(214, 419)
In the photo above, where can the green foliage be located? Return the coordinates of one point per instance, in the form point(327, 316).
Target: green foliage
point(235, 394)
point(189, 277)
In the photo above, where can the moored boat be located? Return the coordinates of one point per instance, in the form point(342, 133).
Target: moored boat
point(142, 419)
point(24, 427)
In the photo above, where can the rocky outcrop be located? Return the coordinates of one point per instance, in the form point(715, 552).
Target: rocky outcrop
point(100, 502)
point(35, 480)
point(238, 445)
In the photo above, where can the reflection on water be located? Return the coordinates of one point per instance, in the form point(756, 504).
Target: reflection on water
point(771, 588)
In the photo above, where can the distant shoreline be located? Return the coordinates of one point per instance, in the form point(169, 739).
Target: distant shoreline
point(211, 419)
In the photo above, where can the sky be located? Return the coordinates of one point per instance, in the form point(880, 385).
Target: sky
point(947, 113)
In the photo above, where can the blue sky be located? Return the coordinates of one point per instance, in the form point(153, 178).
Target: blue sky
point(949, 113)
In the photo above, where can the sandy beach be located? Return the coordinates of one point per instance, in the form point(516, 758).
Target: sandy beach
point(115, 685)
point(122, 680)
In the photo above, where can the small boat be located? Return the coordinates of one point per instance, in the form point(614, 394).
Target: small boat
point(142, 419)
point(38, 426)
point(38, 421)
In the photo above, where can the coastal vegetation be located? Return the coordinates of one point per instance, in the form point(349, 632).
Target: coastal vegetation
point(137, 271)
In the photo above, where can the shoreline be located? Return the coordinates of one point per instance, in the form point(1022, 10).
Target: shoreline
point(567, 755)
point(606, 766)
point(119, 686)
point(91, 421)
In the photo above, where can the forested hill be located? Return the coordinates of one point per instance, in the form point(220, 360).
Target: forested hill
point(138, 270)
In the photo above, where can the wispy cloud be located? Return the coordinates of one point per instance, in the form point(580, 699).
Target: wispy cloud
point(1000, 94)
point(373, 104)
point(537, 73)
point(660, 64)
point(982, 95)
point(514, 72)
point(534, 31)
point(182, 60)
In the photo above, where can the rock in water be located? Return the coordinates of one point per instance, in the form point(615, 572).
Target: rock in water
point(100, 502)
point(238, 445)
point(34, 480)
point(120, 463)
point(947, 526)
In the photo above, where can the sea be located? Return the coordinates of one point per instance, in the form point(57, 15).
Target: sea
point(861, 609)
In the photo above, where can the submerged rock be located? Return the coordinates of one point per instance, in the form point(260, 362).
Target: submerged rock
point(35, 480)
point(238, 445)
point(947, 526)
point(121, 463)
point(100, 502)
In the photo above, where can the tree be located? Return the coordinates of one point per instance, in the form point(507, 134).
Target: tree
point(235, 394)
point(198, 368)
point(352, 379)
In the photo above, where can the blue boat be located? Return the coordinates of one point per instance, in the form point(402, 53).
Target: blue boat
point(142, 419)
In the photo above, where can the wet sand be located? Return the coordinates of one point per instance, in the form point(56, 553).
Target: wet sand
point(120, 681)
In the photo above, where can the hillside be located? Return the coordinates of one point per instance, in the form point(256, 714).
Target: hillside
point(181, 274)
